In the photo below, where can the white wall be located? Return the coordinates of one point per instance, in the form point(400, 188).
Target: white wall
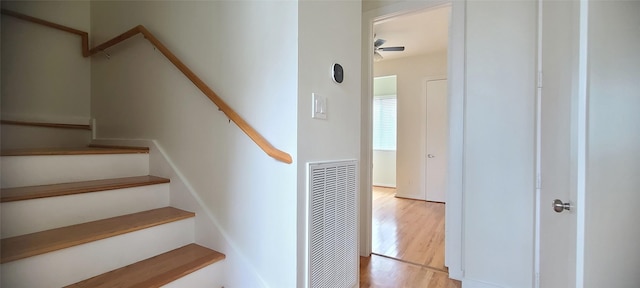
point(322, 43)
point(384, 168)
point(612, 234)
point(44, 76)
point(412, 110)
point(499, 142)
point(368, 5)
point(247, 53)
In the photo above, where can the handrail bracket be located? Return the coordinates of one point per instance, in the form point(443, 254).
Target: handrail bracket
point(106, 54)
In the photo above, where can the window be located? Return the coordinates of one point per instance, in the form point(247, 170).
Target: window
point(384, 122)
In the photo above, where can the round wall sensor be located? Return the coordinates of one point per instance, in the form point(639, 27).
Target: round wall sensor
point(337, 73)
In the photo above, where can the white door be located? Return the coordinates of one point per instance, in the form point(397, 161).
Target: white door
point(559, 142)
point(437, 136)
point(590, 144)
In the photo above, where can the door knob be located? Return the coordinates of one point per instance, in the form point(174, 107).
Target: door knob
point(560, 206)
point(431, 156)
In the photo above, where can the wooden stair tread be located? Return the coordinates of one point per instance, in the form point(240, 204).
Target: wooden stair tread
point(71, 151)
point(156, 271)
point(19, 247)
point(42, 191)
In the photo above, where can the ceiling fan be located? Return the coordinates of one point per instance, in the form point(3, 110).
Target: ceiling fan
point(376, 48)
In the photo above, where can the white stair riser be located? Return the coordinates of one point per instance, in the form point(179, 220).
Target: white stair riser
point(24, 137)
point(28, 216)
point(74, 264)
point(207, 277)
point(18, 171)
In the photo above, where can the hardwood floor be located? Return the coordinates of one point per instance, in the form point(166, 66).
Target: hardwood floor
point(381, 272)
point(410, 230)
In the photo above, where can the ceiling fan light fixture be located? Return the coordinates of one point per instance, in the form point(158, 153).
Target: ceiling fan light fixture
point(397, 48)
point(377, 56)
point(376, 48)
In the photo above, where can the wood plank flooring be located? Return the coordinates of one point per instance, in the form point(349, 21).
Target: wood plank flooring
point(381, 272)
point(410, 230)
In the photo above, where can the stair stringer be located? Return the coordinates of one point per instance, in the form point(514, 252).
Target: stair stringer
point(237, 270)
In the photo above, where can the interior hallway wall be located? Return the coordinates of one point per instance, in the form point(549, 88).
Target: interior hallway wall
point(412, 113)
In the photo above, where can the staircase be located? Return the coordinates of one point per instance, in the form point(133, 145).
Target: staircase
point(94, 217)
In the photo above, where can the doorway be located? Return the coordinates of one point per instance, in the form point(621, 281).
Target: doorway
point(373, 13)
point(408, 210)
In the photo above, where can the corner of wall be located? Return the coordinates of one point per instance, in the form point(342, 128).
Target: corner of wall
point(45, 78)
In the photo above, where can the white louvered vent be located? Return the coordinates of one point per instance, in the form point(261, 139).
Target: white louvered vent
point(333, 254)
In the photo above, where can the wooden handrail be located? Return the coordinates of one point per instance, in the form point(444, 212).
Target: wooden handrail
point(230, 113)
point(84, 36)
point(48, 125)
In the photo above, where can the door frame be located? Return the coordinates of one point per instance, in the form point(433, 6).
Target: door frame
point(454, 250)
point(583, 98)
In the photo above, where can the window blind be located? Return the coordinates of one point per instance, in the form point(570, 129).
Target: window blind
point(384, 122)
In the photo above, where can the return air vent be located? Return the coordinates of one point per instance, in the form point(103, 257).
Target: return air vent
point(333, 208)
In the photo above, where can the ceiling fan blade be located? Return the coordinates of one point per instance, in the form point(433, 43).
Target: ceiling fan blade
point(377, 56)
point(378, 42)
point(397, 48)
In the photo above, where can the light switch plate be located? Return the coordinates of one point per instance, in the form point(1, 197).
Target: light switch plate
point(318, 106)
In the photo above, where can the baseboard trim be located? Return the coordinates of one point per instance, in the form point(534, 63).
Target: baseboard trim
point(469, 283)
point(456, 274)
point(383, 186)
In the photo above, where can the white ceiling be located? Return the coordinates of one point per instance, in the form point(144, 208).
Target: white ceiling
point(421, 33)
